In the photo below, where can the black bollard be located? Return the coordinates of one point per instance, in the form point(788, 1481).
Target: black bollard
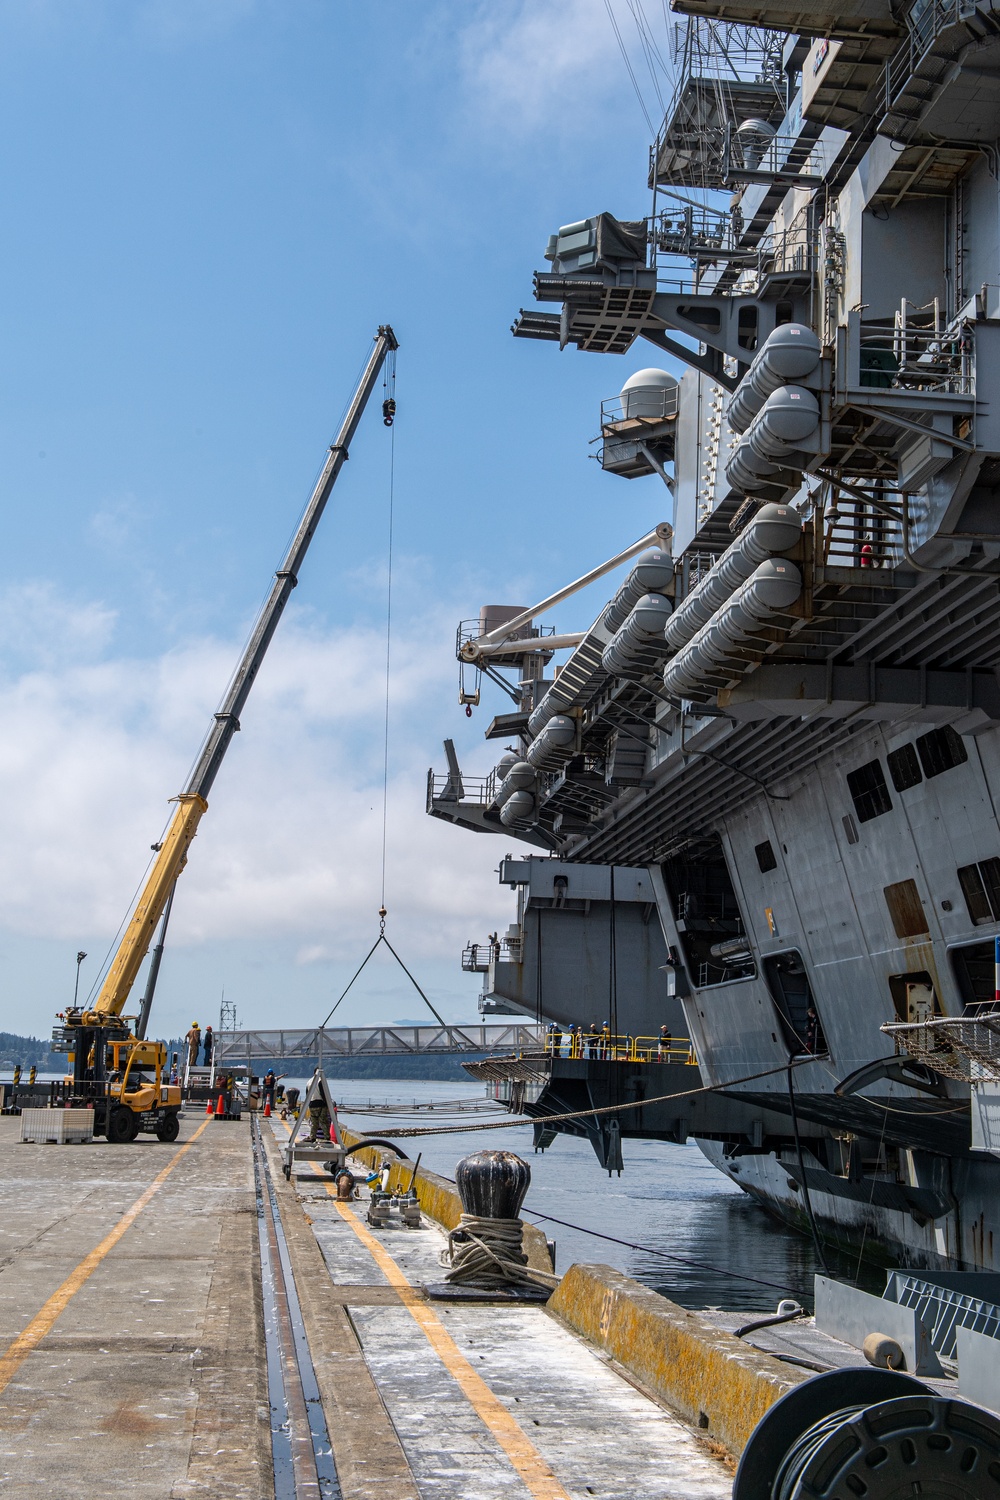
point(485, 1253)
point(492, 1184)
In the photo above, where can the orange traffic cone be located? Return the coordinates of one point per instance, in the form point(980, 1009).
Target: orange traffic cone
point(220, 1108)
point(208, 1107)
point(267, 1108)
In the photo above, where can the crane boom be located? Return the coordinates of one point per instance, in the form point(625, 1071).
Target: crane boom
point(192, 802)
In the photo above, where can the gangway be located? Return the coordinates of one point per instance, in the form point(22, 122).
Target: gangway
point(375, 1041)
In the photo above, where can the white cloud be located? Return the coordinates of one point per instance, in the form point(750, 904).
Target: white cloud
point(555, 63)
point(90, 752)
point(38, 627)
point(540, 61)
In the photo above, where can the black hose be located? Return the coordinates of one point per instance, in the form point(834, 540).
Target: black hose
point(771, 1322)
point(377, 1140)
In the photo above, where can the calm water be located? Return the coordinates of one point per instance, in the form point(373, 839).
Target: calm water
point(667, 1199)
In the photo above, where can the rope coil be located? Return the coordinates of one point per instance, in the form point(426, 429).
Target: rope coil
point(488, 1253)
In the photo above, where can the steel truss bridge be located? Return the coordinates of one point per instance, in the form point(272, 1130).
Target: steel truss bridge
point(376, 1041)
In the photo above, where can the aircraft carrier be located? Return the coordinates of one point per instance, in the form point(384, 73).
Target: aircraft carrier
point(758, 792)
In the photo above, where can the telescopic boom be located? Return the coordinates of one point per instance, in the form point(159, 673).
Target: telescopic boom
point(192, 803)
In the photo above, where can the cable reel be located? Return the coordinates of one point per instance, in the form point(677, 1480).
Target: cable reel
point(876, 1434)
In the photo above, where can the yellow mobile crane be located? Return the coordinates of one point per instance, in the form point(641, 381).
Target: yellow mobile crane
point(114, 1067)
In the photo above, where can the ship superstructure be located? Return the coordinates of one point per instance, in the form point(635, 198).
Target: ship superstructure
point(786, 722)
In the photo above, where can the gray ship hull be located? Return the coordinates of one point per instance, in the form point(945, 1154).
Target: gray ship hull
point(765, 776)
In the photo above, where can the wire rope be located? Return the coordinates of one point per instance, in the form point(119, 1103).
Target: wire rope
point(388, 417)
point(389, 385)
point(606, 1109)
point(648, 49)
point(695, 1265)
point(871, 1199)
point(628, 65)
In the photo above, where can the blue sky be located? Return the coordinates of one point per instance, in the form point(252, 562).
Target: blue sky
point(207, 209)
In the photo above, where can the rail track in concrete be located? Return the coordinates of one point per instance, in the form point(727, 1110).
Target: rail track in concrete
point(304, 1466)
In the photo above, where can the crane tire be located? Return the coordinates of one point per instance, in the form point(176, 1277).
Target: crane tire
point(168, 1129)
point(122, 1126)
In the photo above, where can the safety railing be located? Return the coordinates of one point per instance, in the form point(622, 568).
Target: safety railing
point(787, 251)
point(858, 536)
point(690, 230)
point(758, 153)
point(608, 1047)
point(477, 957)
point(944, 1309)
point(965, 1047)
point(463, 789)
point(917, 351)
point(926, 20)
point(645, 407)
point(472, 630)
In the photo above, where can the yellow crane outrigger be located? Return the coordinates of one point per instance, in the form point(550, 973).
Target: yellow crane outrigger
point(114, 1068)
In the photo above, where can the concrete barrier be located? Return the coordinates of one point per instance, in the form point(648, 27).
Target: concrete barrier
point(439, 1198)
point(713, 1379)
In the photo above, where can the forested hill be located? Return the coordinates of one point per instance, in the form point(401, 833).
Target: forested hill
point(28, 1050)
point(443, 1068)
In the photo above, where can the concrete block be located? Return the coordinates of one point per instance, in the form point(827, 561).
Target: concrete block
point(848, 1314)
point(713, 1379)
point(979, 1368)
point(58, 1126)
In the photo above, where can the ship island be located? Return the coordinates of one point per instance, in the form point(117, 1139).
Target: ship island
point(758, 886)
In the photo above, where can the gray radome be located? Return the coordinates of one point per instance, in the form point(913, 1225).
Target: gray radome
point(643, 394)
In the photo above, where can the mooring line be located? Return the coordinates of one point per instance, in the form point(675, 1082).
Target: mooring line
point(582, 1114)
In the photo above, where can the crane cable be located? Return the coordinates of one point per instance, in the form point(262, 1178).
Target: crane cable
point(388, 418)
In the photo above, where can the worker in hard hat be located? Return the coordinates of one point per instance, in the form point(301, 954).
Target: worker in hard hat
point(193, 1040)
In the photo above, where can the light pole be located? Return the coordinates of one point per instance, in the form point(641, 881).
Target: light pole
point(76, 988)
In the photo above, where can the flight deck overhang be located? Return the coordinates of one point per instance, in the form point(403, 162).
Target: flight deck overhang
point(967, 700)
point(845, 18)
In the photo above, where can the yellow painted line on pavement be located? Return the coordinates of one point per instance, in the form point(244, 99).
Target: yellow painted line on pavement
point(523, 1454)
point(44, 1320)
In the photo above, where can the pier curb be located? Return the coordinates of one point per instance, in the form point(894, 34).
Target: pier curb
point(708, 1376)
point(439, 1200)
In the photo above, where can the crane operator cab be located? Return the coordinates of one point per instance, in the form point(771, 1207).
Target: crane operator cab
point(123, 1079)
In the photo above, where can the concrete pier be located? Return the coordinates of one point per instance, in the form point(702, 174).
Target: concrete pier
point(130, 1326)
point(133, 1355)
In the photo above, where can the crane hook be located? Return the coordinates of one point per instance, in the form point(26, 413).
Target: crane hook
point(388, 411)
